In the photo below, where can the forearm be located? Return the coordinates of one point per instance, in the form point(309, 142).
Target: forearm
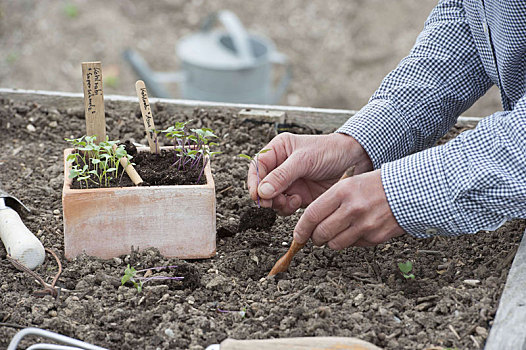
point(422, 98)
point(475, 182)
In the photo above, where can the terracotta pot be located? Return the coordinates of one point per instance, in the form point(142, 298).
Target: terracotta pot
point(107, 222)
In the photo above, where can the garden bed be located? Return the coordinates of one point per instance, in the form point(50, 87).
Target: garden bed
point(356, 292)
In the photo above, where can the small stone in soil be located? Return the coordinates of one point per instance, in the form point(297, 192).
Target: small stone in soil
point(257, 219)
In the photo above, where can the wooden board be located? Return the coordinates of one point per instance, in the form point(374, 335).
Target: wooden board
point(326, 120)
point(94, 100)
point(304, 343)
point(508, 330)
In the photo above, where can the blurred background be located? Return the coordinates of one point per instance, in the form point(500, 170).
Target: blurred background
point(339, 50)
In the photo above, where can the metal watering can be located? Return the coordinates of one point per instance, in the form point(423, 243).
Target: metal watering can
point(225, 65)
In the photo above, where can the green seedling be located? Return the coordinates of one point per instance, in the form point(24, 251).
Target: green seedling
point(94, 163)
point(71, 10)
point(12, 57)
point(192, 149)
point(132, 275)
point(405, 269)
point(111, 81)
point(255, 160)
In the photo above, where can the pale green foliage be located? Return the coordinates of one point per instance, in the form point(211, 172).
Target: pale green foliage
point(192, 149)
point(96, 163)
point(129, 275)
point(71, 10)
point(256, 156)
point(405, 269)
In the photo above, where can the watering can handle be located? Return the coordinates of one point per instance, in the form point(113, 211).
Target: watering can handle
point(235, 30)
point(280, 59)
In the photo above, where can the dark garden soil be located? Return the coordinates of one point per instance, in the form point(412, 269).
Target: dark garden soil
point(154, 170)
point(356, 292)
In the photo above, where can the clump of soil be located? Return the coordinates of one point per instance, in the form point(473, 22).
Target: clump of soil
point(257, 219)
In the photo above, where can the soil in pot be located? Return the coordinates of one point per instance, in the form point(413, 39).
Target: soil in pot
point(154, 169)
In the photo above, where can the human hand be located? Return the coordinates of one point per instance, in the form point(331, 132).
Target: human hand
point(299, 168)
point(353, 212)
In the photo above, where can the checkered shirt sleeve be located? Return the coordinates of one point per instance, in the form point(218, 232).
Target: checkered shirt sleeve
point(474, 182)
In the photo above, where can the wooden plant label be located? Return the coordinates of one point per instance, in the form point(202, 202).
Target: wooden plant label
point(94, 100)
point(147, 116)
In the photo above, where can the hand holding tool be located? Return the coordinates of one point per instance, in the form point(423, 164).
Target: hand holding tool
point(284, 262)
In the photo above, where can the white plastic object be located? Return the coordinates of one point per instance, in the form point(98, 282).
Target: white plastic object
point(19, 242)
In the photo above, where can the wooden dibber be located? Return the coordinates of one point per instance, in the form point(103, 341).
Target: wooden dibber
point(94, 100)
point(147, 116)
point(284, 262)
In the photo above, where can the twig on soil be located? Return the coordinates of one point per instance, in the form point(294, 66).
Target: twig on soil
point(427, 298)
point(477, 345)
point(508, 259)
point(48, 289)
point(396, 333)
point(225, 189)
point(432, 252)
point(454, 331)
point(373, 265)
point(357, 277)
point(492, 259)
point(298, 294)
point(12, 325)
point(333, 282)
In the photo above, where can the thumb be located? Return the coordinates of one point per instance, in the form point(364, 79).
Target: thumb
point(279, 179)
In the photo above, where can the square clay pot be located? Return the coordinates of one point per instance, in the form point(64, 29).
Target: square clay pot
point(106, 222)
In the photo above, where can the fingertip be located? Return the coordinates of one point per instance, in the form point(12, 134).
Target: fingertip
point(300, 237)
point(265, 203)
point(334, 245)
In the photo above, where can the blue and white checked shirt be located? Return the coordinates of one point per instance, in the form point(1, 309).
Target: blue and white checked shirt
point(477, 181)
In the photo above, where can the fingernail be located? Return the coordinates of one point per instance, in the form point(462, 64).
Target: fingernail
point(266, 189)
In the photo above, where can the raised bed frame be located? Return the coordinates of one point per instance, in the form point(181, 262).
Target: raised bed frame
point(510, 321)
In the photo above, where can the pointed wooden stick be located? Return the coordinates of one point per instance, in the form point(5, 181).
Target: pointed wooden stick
point(94, 100)
point(284, 262)
point(147, 116)
point(130, 170)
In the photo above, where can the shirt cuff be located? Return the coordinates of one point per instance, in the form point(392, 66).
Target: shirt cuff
point(382, 131)
point(424, 202)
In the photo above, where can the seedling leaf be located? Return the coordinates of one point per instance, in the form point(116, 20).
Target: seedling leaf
point(405, 269)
